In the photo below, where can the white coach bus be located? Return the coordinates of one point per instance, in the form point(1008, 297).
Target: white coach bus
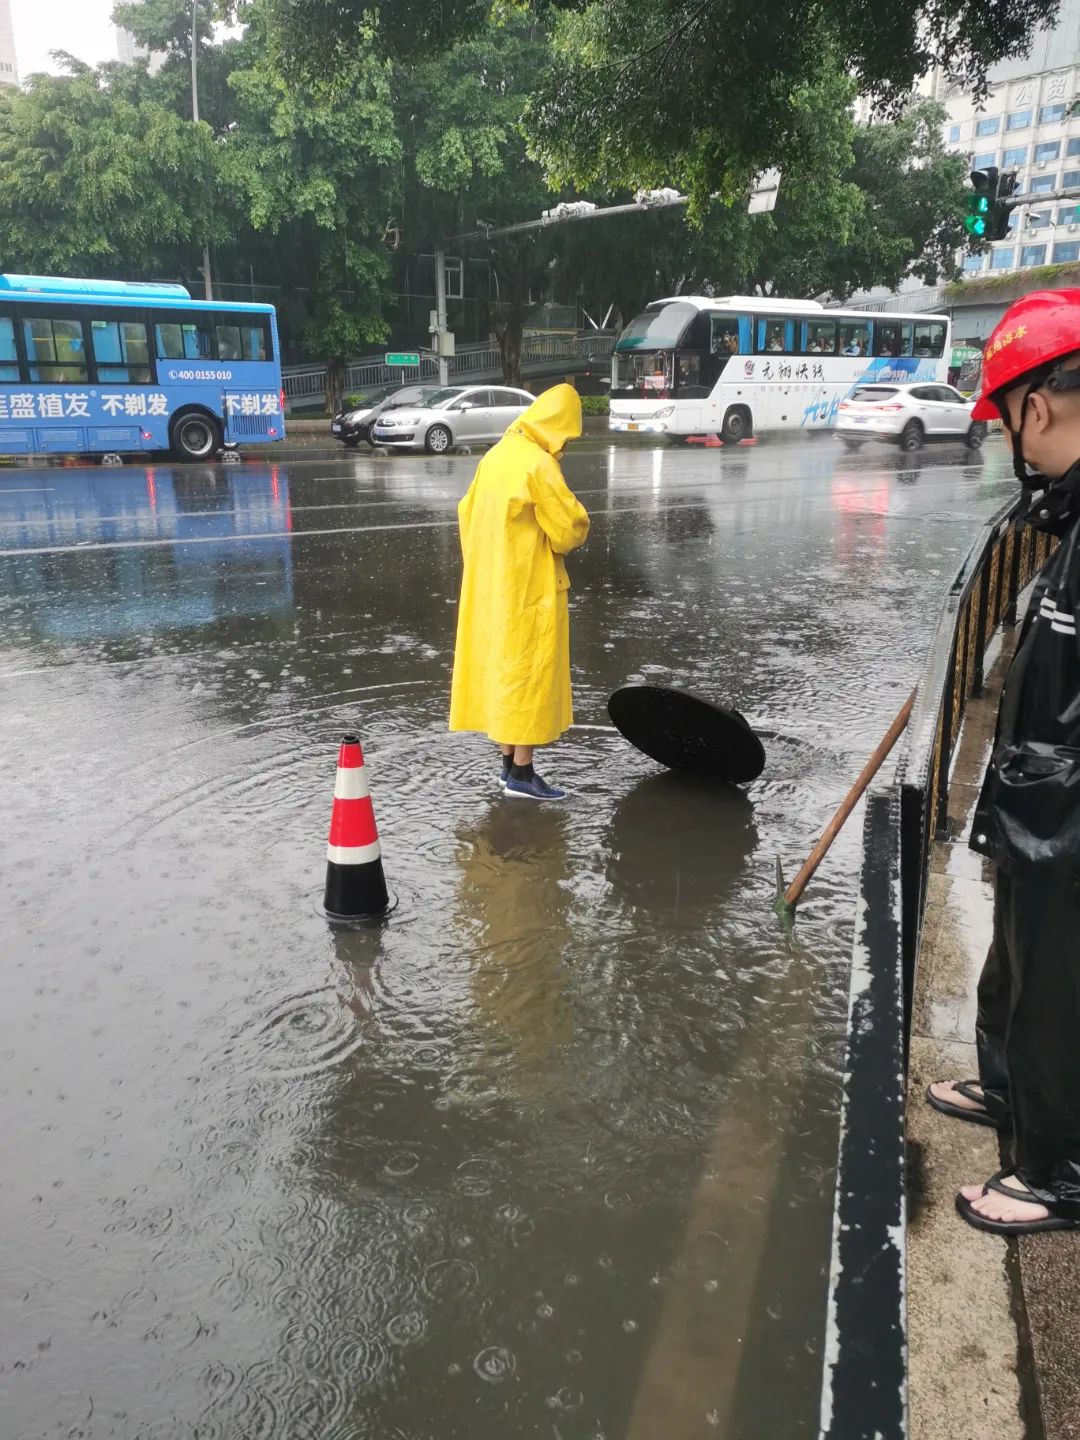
point(732, 365)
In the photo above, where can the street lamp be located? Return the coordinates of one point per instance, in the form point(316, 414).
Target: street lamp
point(207, 283)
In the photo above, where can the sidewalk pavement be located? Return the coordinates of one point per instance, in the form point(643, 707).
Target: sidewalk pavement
point(993, 1327)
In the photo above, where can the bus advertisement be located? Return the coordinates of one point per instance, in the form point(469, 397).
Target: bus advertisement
point(107, 366)
point(736, 365)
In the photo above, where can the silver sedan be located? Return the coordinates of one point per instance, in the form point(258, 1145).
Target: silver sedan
point(458, 415)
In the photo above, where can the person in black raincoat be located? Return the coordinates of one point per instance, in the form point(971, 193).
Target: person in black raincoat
point(1027, 820)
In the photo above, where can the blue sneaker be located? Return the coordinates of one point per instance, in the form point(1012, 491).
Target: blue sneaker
point(534, 789)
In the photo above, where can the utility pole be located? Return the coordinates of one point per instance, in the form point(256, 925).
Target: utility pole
point(208, 286)
point(440, 315)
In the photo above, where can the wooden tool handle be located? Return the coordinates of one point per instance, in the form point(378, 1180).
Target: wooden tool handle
point(829, 834)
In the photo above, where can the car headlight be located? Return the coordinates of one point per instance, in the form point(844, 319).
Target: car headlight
point(663, 414)
point(407, 420)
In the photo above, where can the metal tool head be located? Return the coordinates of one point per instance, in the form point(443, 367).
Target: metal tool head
point(684, 732)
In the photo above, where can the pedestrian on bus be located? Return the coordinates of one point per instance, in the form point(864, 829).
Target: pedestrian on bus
point(512, 657)
point(1027, 820)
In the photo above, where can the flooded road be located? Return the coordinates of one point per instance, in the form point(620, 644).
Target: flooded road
point(550, 1154)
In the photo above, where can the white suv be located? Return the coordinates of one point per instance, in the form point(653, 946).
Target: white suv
point(908, 414)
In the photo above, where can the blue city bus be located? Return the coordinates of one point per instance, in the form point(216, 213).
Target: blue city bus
point(107, 366)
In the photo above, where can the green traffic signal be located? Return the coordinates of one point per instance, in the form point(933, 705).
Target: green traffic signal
point(978, 211)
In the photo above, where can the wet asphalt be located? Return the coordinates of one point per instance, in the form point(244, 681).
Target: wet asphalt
point(549, 1153)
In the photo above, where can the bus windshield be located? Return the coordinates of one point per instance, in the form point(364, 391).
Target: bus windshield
point(660, 327)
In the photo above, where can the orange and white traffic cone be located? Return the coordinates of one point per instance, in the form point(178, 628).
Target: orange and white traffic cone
point(355, 884)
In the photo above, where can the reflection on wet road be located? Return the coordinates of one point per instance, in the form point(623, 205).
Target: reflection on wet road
point(548, 1155)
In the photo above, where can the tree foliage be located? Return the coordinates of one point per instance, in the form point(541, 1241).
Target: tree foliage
point(696, 93)
point(98, 177)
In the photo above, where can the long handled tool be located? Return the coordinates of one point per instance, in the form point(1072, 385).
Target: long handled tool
point(786, 900)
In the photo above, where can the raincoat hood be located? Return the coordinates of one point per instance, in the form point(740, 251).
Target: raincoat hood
point(552, 419)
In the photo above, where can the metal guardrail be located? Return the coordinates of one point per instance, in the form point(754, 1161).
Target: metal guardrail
point(864, 1390)
point(914, 301)
point(306, 384)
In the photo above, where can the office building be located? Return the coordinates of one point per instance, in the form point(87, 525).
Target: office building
point(9, 65)
point(1025, 124)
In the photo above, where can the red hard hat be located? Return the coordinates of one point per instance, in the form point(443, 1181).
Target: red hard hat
point(1040, 327)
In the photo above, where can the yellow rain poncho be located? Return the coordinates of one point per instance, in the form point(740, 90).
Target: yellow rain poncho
point(512, 658)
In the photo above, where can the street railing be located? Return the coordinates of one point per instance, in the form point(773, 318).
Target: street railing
point(482, 360)
point(864, 1390)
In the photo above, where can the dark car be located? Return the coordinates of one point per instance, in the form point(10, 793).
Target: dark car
point(353, 425)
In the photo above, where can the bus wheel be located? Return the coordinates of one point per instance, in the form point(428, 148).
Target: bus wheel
point(737, 425)
point(196, 436)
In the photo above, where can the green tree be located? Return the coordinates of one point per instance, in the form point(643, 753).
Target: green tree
point(312, 162)
point(98, 177)
point(696, 93)
point(466, 161)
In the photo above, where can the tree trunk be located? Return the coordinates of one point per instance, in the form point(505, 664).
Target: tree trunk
point(335, 386)
point(509, 335)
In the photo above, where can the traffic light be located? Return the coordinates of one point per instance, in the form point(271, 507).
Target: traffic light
point(988, 210)
point(980, 203)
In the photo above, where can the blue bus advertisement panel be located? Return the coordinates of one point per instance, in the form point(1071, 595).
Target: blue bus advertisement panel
point(100, 366)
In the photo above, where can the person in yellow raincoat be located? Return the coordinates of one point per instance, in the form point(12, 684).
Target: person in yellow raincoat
point(512, 657)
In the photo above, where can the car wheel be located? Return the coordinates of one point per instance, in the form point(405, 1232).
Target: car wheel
point(196, 436)
point(438, 440)
point(911, 437)
point(350, 441)
point(737, 425)
point(851, 444)
point(975, 436)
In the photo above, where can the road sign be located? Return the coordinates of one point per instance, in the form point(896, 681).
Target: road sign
point(403, 357)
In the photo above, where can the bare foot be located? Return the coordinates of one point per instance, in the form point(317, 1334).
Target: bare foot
point(994, 1206)
point(946, 1090)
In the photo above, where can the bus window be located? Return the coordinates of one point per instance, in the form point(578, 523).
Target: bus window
point(54, 349)
point(688, 377)
point(255, 341)
point(185, 340)
point(229, 346)
point(774, 337)
point(887, 338)
point(821, 337)
point(723, 335)
point(854, 337)
point(929, 339)
point(121, 351)
point(9, 358)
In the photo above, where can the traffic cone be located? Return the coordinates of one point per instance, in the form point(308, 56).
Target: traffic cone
point(355, 884)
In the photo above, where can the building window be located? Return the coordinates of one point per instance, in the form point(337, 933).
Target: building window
point(983, 162)
point(1003, 259)
point(988, 125)
point(1032, 255)
point(1042, 184)
point(972, 264)
point(954, 134)
point(1051, 114)
point(1018, 120)
point(1065, 251)
point(1038, 219)
point(1049, 150)
point(1017, 156)
point(1073, 147)
point(1069, 215)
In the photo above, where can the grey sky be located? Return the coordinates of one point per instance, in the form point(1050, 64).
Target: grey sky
point(83, 27)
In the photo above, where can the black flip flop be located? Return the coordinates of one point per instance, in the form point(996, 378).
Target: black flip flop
point(1013, 1227)
point(966, 1088)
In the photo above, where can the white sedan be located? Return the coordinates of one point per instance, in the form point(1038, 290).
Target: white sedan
point(457, 415)
point(908, 415)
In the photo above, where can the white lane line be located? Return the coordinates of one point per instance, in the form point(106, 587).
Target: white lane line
point(29, 490)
